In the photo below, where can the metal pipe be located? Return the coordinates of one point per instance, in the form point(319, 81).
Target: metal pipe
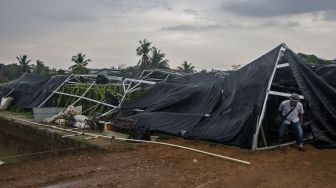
point(67, 79)
point(85, 98)
point(281, 145)
point(108, 112)
point(84, 93)
point(9, 93)
point(262, 114)
point(141, 81)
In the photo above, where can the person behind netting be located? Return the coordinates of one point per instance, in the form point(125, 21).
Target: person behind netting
point(292, 115)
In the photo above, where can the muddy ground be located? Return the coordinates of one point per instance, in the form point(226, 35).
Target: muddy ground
point(148, 165)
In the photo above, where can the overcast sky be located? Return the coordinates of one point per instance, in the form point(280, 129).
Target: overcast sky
point(208, 33)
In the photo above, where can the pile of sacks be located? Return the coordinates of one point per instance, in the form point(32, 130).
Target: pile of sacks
point(72, 117)
point(5, 102)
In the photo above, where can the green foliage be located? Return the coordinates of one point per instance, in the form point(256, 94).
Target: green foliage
point(10, 72)
point(157, 60)
point(96, 92)
point(311, 59)
point(130, 72)
point(80, 70)
point(186, 67)
point(143, 50)
point(3, 79)
point(80, 64)
point(40, 68)
point(21, 111)
point(23, 62)
point(151, 57)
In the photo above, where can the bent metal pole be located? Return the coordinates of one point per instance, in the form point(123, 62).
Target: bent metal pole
point(135, 140)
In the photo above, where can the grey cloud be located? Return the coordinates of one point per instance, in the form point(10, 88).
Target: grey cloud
point(292, 24)
point(270, 24)
point(330, 15)
point(198, 15)
point(63, 16)
point(192, 11)
point(287, 25)
point(133, 5)
point(185, 27)
point(268, 8)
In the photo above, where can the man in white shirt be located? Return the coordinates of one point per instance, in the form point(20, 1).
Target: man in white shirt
point(292, 113)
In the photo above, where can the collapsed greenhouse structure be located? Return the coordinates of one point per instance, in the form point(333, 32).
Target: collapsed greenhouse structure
point(239, 108)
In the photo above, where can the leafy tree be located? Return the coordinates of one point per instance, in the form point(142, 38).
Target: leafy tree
point(40, 68)
point(122, 66)
point(11, 71)
point(186, 67)
point(23, 62)
point(80, 64)
point(131, 72)
point(157, 60)
point(314, 60)
point(143, 51)
point(60, 72)
point(3, 78)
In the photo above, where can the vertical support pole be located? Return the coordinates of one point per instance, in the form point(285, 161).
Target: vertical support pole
point(112, 143)
point(263, 135)
point(66, 80)
point(256, 134)
point(124, 87)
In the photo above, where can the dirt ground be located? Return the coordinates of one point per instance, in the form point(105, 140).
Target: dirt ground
point(148, 165)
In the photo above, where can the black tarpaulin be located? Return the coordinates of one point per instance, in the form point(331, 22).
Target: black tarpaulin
point(232, 104)
point(226, 110)
point(30, 89)
point(318, 89)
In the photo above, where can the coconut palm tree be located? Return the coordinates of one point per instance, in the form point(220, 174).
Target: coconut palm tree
point(80, 64)
point(186, 67)
point(23, 62)
point(41, 68)
point(143, 51)
point(158, 60)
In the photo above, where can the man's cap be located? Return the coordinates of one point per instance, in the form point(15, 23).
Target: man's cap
point(294, 97)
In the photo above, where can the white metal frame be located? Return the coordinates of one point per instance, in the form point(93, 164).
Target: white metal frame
point(262, 114)
point(277, 93)
point(65, 81)
point(146, 75)
point(10, 92)
point(281, 145)
point(129, 85)
point(270, 92)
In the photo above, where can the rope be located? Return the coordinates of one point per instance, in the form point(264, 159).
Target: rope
point(44, 152)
